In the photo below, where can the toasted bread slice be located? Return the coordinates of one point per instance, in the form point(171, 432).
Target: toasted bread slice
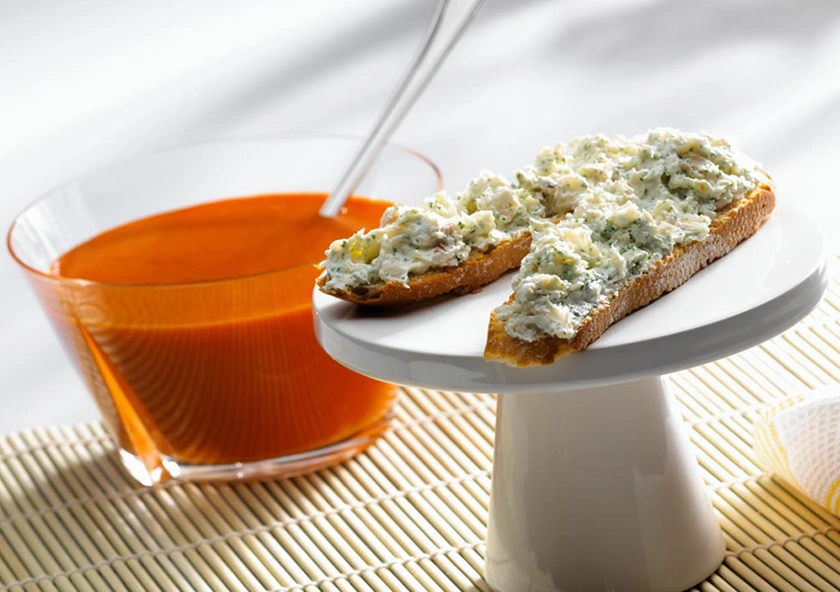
point(477, 271)
point(732, 225)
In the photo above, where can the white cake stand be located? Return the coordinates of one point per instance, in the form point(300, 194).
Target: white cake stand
point(595, 486)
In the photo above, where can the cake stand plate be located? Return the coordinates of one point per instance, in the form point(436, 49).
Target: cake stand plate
point(595, 486)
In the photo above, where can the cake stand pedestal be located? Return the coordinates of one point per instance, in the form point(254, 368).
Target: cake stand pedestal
point(595, 486)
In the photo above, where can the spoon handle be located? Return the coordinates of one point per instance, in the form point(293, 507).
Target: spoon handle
point(450, 20)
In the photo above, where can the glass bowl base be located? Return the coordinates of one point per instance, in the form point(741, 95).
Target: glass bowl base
point(265, 469)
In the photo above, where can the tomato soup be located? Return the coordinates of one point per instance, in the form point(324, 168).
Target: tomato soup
point(212, 359)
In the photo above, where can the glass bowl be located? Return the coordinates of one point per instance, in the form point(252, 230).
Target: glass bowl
point(222, 379)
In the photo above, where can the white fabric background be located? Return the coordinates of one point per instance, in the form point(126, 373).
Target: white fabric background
point(86, 82)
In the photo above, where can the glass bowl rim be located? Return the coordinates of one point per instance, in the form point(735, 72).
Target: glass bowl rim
point(289, 135)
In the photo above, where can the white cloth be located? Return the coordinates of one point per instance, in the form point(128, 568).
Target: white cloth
point(85, 83)
point(799, 440)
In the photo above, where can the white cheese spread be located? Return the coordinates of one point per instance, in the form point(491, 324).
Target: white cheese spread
point(441, 233)
point(629, 202)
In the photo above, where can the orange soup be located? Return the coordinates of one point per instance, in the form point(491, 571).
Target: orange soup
point(207, 369)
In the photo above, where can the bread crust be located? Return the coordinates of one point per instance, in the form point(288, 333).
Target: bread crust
point(477, 271)
point(734, 225)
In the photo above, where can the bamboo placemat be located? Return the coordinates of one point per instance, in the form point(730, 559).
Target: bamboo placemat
point(410, 513)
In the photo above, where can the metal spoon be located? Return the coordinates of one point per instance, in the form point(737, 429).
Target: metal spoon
point(448, 24)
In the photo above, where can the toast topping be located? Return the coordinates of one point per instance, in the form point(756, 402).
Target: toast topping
point(633, 201)
point(441, 233)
